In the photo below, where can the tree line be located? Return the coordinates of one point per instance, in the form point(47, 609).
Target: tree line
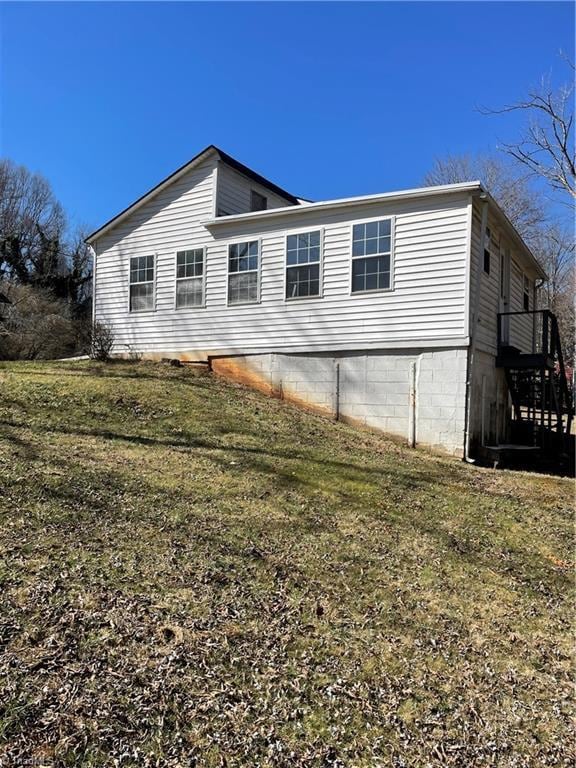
point(45, 271)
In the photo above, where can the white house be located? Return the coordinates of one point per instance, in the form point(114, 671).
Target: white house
point(382, 309)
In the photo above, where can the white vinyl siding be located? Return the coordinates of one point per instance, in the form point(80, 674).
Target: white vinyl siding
point(527, 292)
point(235, 193)
point(521, 327)
point(427, 305)
point(490, 286)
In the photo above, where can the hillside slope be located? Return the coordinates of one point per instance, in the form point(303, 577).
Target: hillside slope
point(195, 575)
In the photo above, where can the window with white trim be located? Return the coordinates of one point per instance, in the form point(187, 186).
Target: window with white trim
point(141, 283)
point(243, 272)
point(190, 278)
point(303, 265)
point(371, 256)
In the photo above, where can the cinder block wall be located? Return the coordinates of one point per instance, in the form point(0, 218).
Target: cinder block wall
point(490, 408)
point(370, 389)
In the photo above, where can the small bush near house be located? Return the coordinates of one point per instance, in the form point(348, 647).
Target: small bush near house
point(37, 326)
point(102, 341)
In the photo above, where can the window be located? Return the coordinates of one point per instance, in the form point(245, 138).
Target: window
point(257, 201)
point(243, 273)
point(141, 283)
point(223, 212)
point(371, 256)
point(487, 251)
point(190, 278)
point(526, 296)
point(303, 265)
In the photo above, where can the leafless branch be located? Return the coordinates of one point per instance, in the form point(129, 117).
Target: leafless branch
point(546, 147)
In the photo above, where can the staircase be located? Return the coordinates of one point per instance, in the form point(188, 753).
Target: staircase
point(530, 353)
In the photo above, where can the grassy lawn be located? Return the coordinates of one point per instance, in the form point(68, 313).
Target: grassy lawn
point(195, 575)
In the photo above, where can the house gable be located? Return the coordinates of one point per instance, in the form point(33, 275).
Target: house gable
point(212, 154)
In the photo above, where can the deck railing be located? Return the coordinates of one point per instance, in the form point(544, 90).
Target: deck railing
point(535, 334)
point(527, 333)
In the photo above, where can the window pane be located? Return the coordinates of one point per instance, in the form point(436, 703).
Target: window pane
point(303, 248)
point(243, 257)
point(384, 228)
point(189, 292)
point(303, 241)
point(383, 244)
point(303, 281)
point(370, 274)
point(292, 257)
point(141, 269)
point(243, 288)
point(371, 247)
point(141, 297)
point(190, 263)
point(372, 229)
point(371, 238)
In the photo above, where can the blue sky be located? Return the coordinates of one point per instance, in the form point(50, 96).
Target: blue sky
point(326, 99)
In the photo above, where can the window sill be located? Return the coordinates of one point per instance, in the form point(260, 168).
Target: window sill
point(290, 299)
point(371, 292)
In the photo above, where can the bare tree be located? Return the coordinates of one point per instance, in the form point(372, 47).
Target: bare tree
point(512, 190)
point(554, 248)
point(45, 268)
point(32, 224)
point(546, 147)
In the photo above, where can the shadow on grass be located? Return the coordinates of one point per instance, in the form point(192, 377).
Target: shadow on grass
point(420, 502)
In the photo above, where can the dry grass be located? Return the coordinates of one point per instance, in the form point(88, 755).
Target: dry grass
point(194, 575)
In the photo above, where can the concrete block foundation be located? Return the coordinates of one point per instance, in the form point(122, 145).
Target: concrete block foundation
point(404, 393)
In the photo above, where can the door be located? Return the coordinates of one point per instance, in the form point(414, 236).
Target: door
point(504, 304)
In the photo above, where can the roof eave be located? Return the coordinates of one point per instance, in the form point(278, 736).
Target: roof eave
point(467, 187)
point(516, 235)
